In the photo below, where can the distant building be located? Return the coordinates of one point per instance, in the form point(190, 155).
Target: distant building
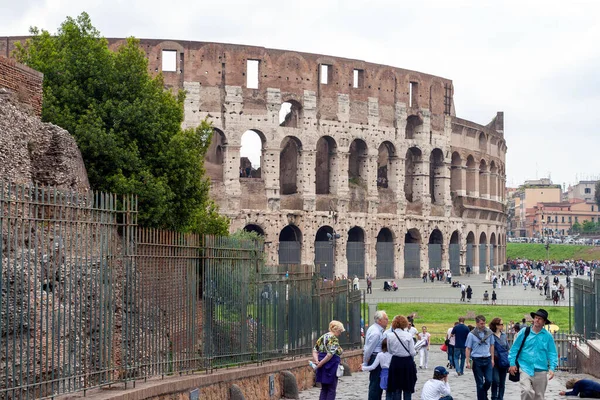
point(584, 190)
point(525, 198)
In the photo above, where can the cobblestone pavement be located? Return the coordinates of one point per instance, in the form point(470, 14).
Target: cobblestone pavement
point(355, 387)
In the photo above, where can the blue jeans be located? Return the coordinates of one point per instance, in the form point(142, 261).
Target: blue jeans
point(482, 370)
point(498, 383)
point(451, 355)
point(375, 390)
point(459, 355)
point(398, 395)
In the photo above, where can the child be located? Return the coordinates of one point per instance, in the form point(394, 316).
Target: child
point(383, 359)
point(437, 388)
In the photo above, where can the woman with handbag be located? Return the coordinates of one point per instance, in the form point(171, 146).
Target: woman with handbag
point(403, 371)
point(326, 355)
point(501, 364)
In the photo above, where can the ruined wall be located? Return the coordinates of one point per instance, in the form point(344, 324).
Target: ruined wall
point(23, 81)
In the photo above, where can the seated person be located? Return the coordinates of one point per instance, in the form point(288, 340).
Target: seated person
point(394, 286)
point(486, 296)
point(386, 286)
point(437, 388)
point(583, 388)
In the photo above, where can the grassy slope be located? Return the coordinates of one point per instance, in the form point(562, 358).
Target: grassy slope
point(439, 317)
point(535, 251)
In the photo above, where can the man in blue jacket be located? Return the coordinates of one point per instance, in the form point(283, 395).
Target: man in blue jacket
point(537, 358)
point(583, 388)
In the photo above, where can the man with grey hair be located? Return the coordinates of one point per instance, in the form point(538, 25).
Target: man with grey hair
point(480, 348)
point(373, 340)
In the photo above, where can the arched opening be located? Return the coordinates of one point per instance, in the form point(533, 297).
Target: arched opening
point(357, 162)
point(483, 179)
point(414, 125)
point(386, 171)
point(483, 260)
point(355, 252)
point(325, 166)
point(251, 152)
point(325, 252)
point(290, 245)
point(215, 155)
point(254, 228)
point(413, 174)
point(436, 176)
point(493, 250)
point(493, 181)
point(290, 114)
point(434, 249)
point(472, 176)
point(454, 253)
point(482, 142)
point(456, 180)
point(385, 254)
point(412, 254)
point(470, 255)
point(289, 165)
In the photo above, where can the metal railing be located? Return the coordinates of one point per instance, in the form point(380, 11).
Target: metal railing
point(88, 298)
point(454, 300)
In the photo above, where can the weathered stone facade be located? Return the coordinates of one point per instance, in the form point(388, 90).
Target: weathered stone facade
point(373, 153)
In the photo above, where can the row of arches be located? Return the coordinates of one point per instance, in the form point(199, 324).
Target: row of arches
point(419, 173)
point(418, 253)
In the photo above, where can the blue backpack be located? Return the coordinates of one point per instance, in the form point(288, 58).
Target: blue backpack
point(501, 356)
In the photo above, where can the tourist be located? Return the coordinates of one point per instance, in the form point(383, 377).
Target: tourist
point(403, 373)
point(424, 350)
point(437, 388)
point(326, 356)
point(450, 341)
point(494, 297)
point(372, 347)
point(460, 333)
point(501, 363)
point(537, 357)
point(480, 347)
point(463, 292)
point(469, 293)
point(355, 282)
point(369, 284)
point(583, 388)
point(382, 361)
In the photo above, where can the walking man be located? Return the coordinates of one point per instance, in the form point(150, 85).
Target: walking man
point(373, 341)
point(460, 333)
point(537, 357)
point(480, 347)
point(369, 284)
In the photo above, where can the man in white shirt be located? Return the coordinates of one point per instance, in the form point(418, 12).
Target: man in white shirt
point(437, 388)
point(373, 340)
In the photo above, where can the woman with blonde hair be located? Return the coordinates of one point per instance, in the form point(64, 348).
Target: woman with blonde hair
point(326, 356)
point(403, 372)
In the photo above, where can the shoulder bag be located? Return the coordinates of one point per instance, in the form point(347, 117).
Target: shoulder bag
point(517, 376)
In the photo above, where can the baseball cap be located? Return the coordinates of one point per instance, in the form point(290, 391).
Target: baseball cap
point(441, 370)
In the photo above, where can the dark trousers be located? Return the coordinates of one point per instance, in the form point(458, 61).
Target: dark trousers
point(482, 370)
point(451, 355)
point(498, 383)
point(375, 390)
point(398, 395)
point(328, 390)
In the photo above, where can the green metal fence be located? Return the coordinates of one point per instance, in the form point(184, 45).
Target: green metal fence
point(586, 306)
point(90, 299)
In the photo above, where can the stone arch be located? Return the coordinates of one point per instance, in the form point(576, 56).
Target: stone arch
point(326, 159)
point(253, 143)
point(482, 142)
point(355, 252)
point(290, 245)
point(483, 253)
point(454, 253)
point(386, 166)
point(436, 176)
point(456, 176)
point(434, 249)
point(472, 176)
point(412, 253)
point(290, 114)
point(385, 254)
point(215, 155)
point(483, 178)
point(254, 228)
point(357, 162)
point(413, 166)
point(325, 252)
point(493, 250)
point(414, 125)
point(470, 252)
point(290, 162)
point(493, 180)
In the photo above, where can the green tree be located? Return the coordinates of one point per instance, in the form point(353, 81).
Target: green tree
point(589, 226)
point(127, 126)
point(576, 227)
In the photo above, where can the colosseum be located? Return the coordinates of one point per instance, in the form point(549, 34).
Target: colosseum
point(360, 169)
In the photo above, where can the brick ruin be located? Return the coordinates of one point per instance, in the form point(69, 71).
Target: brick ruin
point(372, 153)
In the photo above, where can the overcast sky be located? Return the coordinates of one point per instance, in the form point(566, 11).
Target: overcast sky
point(538, 61)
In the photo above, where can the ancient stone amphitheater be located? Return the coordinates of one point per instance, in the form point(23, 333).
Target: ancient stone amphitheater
point(363, 168)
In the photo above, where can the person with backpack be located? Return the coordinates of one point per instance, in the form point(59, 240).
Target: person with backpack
point(501, 364)
point(480, 348)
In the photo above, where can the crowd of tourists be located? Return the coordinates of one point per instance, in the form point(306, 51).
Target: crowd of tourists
point(390, 350)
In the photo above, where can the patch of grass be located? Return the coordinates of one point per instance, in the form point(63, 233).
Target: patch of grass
point(439, 317)
point(558, 252)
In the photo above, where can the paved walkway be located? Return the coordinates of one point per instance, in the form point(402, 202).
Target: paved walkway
point(355, 387)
